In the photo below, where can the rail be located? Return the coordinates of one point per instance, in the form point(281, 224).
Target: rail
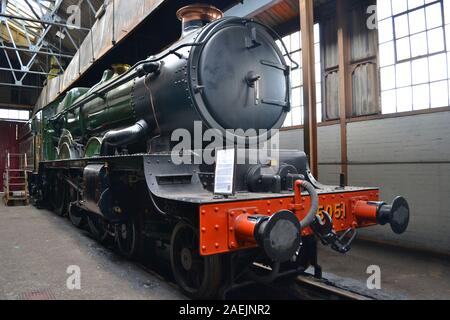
point(326, 290)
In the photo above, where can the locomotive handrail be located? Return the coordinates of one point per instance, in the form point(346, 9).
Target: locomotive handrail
point(124, 78)
point(276, 35)
point(128, 75)
point(134, 72)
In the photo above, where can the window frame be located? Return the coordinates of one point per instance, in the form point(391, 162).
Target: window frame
point(18, 119)
point(319, 79)
point(407, 12)
point(376, 60)
point(413, 108)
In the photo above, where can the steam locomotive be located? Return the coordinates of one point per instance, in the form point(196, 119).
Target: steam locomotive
point(104, 156)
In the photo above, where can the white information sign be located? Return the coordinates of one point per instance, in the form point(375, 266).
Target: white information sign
point(224, 177)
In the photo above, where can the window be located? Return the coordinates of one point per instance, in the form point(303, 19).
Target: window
point(293, 45)
point(413, 54)
point(361, 48)
point(11, 114)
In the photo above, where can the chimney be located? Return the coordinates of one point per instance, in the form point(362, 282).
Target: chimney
point(196, 16)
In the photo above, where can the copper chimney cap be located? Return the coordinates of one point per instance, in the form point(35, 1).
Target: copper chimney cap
point(197, 15)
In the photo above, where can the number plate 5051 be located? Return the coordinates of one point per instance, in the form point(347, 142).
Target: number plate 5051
point(336, 211)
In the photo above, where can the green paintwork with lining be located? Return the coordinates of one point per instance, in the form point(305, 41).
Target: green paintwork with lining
point(93, 119)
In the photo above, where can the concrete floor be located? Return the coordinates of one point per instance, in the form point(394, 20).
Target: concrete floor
point(37, 247)
point(404, 274)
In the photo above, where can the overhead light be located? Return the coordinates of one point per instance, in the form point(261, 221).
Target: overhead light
point(60, 35)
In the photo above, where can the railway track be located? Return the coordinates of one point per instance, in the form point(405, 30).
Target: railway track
point(324, 288)
point(303, 287)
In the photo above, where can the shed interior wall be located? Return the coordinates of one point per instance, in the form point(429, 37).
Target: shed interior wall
point(407, 156)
